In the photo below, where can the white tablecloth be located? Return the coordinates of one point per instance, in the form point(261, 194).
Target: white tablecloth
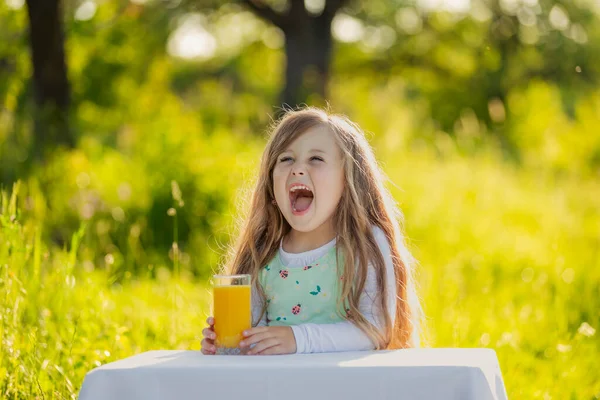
point(461, 374)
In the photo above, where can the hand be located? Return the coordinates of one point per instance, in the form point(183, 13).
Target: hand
point(269, 340)
point(208, 343)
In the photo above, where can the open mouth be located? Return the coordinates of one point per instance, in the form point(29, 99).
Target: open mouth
point(301, 197)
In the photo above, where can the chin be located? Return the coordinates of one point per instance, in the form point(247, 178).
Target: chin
point(303, 229)
point(303, 226)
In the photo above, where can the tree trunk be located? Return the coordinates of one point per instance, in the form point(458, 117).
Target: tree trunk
point(308, 46)
point(308, 56)
point(50, 81)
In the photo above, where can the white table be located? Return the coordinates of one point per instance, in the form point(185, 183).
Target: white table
point(465, 374)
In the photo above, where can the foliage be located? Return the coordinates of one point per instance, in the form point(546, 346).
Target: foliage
point(492, 151)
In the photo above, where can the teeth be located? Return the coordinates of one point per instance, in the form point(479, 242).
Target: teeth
point(300, 187)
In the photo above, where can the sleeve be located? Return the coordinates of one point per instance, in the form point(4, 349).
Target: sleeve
point(345, 336)
point(257, 305)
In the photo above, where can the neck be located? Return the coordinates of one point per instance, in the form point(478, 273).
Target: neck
point(299, 242)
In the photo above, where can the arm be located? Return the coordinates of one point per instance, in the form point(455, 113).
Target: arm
point(257, 305)
point(345, 336)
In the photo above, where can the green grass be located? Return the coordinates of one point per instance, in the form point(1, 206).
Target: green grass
point(508, 244)
point(509, 259)
point(60, 319)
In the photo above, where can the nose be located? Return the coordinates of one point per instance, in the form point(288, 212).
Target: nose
point(297, 171)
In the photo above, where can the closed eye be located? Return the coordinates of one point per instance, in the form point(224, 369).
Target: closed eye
point(316, 158)
point(284, 159)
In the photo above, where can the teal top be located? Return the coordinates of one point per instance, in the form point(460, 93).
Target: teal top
point(298, 295)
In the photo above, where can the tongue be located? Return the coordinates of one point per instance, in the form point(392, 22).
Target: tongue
point(302, 203)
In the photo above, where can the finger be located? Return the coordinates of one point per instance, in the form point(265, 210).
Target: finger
point(255, 338)
point(254, 331)
point(271, 351)
point(207, 352)
point(209, 333)
point(208, 345)
point(265, 344)
point(210, 321)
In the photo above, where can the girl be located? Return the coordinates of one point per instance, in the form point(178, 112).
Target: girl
point(330, 269)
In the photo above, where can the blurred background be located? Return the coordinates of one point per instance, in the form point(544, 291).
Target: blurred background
point(131, 131)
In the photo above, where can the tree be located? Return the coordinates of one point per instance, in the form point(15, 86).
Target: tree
point(472, 59)
point(308, 46)
point(51, 86)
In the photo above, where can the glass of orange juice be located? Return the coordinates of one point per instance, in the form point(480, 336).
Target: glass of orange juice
point(232, 311)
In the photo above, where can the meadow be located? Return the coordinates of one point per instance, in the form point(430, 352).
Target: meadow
point(485, 122)
point(509, 258)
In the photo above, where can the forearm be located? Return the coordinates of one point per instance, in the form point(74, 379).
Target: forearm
point(323, 338)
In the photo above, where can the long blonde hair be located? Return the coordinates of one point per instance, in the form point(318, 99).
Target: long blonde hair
point(364, 203)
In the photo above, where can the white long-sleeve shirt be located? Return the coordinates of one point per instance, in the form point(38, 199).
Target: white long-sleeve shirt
point(341, 336)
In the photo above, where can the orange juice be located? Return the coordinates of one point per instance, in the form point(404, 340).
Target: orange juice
point(232, 312)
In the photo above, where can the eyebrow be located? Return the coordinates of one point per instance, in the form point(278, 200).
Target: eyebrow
point(310, 151)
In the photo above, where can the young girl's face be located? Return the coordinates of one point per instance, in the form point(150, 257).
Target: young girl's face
point(308, 179)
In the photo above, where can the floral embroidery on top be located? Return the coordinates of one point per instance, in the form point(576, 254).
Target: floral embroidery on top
point(307, 267)
point(284, 273)
point(316, 292)
point(274, 299)
point(296, 309)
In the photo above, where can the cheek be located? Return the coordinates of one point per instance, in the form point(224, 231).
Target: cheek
point(331, 183)
point(279, 178)
point(279, 181)
point(337, 189)
point(331, 180)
